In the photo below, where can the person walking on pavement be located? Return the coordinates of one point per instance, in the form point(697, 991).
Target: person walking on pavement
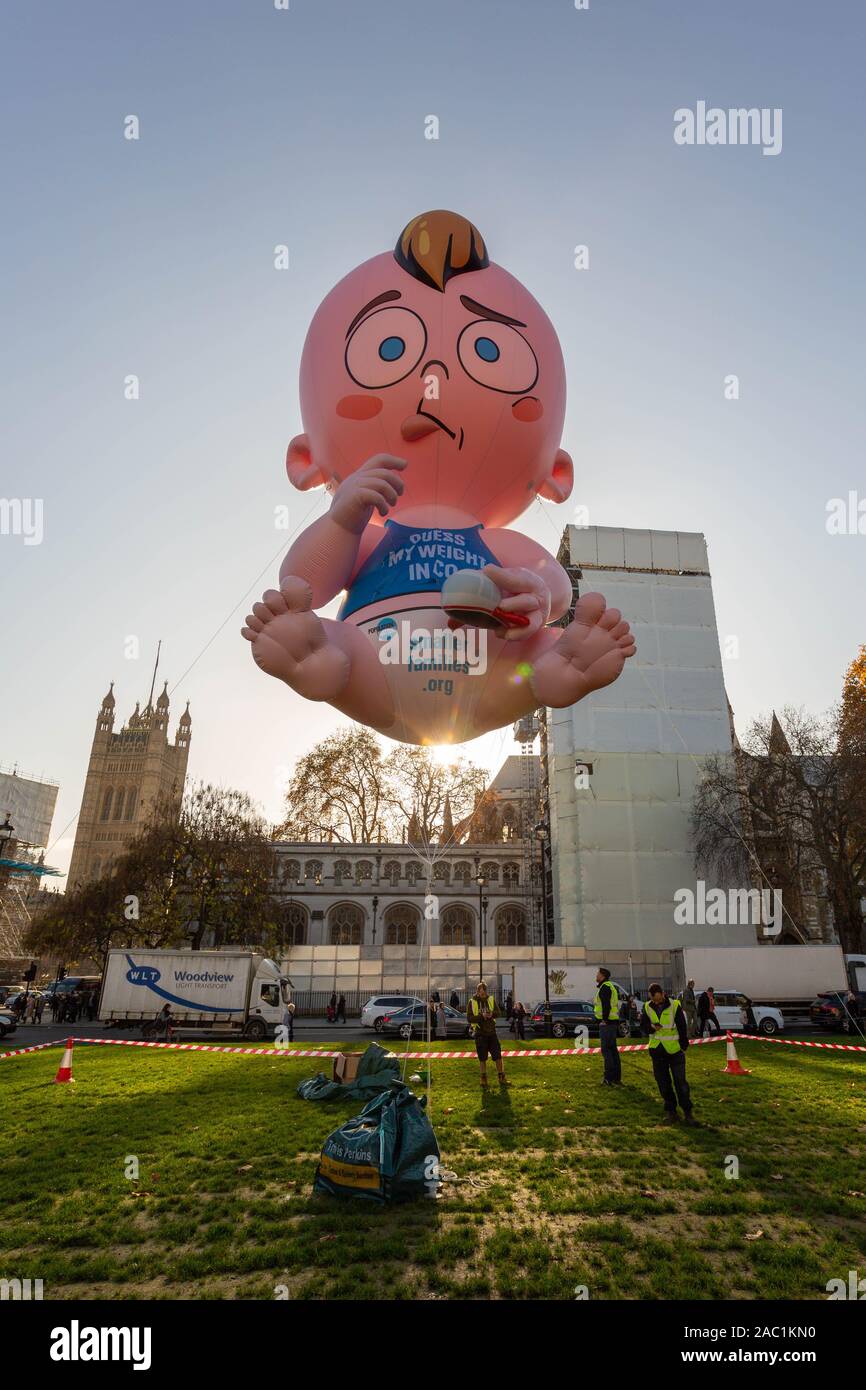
point(332, 1007)
point(40, 1005)
point(341, 1009)
point(518, 1019)
point(664, 1023)
point(607, 1013)
point(707, 1012)
point(454, 1001)
point(441, 1024)
point(481, 1017)
point(690, 1006)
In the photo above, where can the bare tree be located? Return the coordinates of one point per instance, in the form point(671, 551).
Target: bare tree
point(338, 791)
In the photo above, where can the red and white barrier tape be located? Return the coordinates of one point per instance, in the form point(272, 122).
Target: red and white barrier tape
point(421, 1056)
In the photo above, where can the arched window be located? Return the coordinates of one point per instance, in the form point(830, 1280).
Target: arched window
point(313, 870)
point(106, 803)
point(342, 870)
point(291, 871)
point(490, 872)
point(391, 873)
point(511, 875)
point(401, 925)
point(363, 871)
point(118, 805)
point(458, 926)
point(510, 923)
point(509, 823)
point(442, 873)
point(295, 925)
point(346, 924)
point(414, 872)
point(130, 803)
point(462, 872)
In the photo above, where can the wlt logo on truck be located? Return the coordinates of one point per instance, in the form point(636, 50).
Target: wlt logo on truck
point(148, 977)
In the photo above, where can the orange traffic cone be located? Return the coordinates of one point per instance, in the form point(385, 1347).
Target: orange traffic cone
point(734, 1066)
point(64, 1071)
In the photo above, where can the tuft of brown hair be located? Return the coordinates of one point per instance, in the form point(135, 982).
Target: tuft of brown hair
point(436, 245)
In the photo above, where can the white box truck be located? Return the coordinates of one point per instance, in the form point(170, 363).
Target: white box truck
point(786, 977)
point(224, 992)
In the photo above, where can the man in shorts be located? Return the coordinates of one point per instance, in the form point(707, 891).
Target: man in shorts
point(481, 1014)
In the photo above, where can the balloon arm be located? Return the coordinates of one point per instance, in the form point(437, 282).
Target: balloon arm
point(325, 555)
point(515, 550)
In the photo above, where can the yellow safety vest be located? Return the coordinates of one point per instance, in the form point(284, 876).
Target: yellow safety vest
point(667, 1037)
point(613, 1016)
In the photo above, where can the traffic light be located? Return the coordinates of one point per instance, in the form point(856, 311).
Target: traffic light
point(61, 974)
point(30, 975)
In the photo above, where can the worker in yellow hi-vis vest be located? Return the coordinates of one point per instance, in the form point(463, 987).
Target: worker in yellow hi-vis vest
point(664, 1023)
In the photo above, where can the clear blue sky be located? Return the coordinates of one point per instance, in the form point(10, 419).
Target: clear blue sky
point(307, 127)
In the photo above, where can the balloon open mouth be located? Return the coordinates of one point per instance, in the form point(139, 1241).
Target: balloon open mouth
point(422, 423)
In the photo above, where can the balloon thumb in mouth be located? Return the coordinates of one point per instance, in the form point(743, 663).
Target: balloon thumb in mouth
point(417, 426)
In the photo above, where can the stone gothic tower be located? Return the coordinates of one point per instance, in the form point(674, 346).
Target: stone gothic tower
point(129, 774)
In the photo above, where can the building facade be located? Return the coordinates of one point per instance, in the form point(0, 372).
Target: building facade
point(622, 766)
point(128, 775)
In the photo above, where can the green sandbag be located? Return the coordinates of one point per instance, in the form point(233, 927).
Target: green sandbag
point(388, 1153)
point(376, 1072)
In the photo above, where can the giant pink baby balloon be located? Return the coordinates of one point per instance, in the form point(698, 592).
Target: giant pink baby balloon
point(433, 396)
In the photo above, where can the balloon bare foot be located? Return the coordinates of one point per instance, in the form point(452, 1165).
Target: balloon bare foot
point(589, 655)
point(291, 642)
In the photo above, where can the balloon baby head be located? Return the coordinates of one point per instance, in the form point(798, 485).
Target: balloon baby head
point(433, 353)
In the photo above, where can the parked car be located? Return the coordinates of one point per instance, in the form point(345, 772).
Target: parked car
point(8, 1022)
point(729, 1006)
point(569, 1014)
point(412, 1023)
point(835, 1012)
point(376, 1008)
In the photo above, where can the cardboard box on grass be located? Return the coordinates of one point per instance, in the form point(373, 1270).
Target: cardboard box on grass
point(346, 1067)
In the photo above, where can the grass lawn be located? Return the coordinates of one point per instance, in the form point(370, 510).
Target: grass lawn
point(565, 1183)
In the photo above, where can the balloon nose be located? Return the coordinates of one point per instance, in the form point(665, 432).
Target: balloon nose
point(417, 426)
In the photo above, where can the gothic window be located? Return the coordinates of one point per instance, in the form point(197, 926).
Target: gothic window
point(295, 925)
point(442, 873)
point(291, 871)
point(130, 803)
point(342, 869)
point(313, 870)
point(413, 873)
point(490, 872)
point(391, 873)
point(363, 871)
point(510, 926)
point(457, 926)
point(106, 803)
point(509, 823)
point(346, 924)
point(118, 805)
point(510, 875)
point(401, 925)
point(462, 872)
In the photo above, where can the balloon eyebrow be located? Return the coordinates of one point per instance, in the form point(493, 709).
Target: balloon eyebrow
point(475, 308)
point(380, 299)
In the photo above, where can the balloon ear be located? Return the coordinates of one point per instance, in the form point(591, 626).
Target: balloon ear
point(303, 473)
point(559, 482)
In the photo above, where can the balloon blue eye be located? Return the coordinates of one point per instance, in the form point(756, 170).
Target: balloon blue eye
point(391, 348)
point(486, 349)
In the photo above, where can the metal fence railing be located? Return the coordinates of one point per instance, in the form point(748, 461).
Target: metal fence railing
point(313, 1003)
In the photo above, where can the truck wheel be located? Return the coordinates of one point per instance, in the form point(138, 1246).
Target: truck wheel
point(256, 1029)
point(768, 1026)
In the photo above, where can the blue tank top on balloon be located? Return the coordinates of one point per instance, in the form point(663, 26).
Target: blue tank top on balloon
point(415, 560)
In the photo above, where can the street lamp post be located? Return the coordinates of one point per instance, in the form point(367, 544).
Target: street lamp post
point(375, 910)
point(541, 836)
point(482, 923)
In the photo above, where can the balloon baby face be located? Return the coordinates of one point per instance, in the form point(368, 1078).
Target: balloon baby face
point(435, 355)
